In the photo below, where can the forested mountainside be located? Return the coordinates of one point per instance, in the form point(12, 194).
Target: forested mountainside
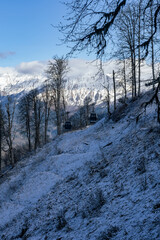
point(99, 183)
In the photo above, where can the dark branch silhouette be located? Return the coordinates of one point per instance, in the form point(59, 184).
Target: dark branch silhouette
point(90, 21)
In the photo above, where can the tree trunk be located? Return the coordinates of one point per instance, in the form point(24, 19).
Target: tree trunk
point(0, 142)
point(114, 89)
point(29, 138)
point(124, 76)
point(47, 114)
point(58, 113)
point(35, 125)
point(11, 154)
point(28, 129)
point(134, 61)
point(152, 49)
point(45, 131)
point(139, 50)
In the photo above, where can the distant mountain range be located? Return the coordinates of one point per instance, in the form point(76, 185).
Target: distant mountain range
point(82, 78)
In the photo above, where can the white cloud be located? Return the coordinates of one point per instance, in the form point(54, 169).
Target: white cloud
point(31, 68)
point(81, 72)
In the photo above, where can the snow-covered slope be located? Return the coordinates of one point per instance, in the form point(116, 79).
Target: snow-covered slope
point(99, 183)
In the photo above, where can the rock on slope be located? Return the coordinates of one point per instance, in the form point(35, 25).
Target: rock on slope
point(95, 184)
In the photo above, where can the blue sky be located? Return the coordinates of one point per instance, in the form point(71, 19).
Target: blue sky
point(26, 31)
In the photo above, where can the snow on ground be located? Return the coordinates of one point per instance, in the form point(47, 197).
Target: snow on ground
point(99, 183)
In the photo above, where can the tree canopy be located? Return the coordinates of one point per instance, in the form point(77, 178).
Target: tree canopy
point(89, 23)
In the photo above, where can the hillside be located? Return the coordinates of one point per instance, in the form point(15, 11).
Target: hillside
point(99, 183)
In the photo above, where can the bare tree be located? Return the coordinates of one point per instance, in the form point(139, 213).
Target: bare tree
point(9, 131)
point(0, 139)
point(127, 40)
point(37, 115)
point(89, 22)
point(114, 89)
point(25, 117)
point(2, 120)
point(155, 14)
point(107, 98)
point(48, 101)
point(124, 84)
point(149, 30)
point(139, 33)
point(87, 106)
point(56, 76)
point(152, 44)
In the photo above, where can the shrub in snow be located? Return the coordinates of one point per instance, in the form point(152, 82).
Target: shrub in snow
point(94, 201)
point(60, 220)
point(157, 206)
point(141, 166)
point(99, 167)
point(144, 182)
point(119, 113)
point(109, 234)
point(122, 100)
point(23, 232)
point(103, 236)
point(104, 173)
